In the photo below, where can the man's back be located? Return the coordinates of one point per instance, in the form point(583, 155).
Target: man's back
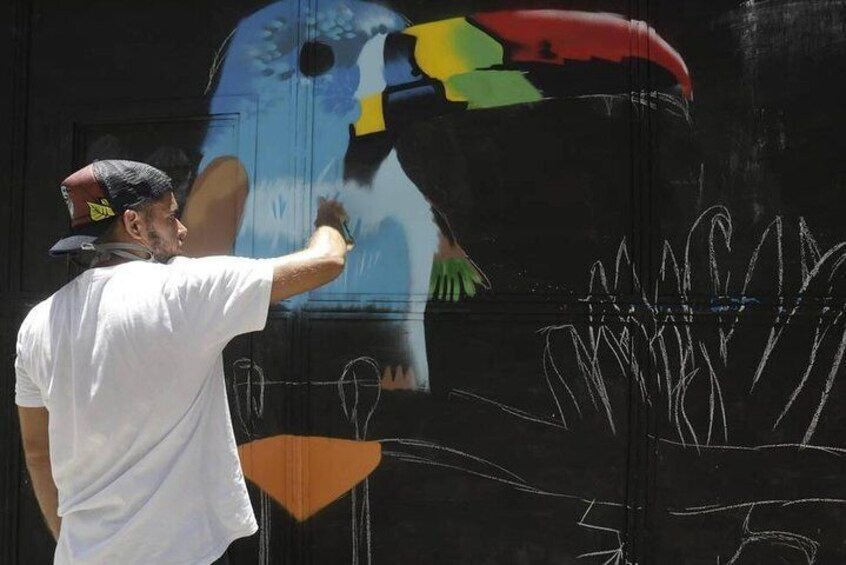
point(127, 361)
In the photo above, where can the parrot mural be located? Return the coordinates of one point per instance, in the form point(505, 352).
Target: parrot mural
point(331, 90)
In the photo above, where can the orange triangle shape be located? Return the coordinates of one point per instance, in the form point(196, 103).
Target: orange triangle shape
point(305, 474)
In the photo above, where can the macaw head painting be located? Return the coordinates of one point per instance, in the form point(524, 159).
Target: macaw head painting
point(333, 91)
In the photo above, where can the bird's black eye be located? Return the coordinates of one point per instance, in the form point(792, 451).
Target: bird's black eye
point(316, 59)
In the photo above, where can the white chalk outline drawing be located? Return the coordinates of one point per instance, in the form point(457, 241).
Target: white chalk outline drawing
point(217, 60)
point(253, 409)
point(614, 556)
point(360, 523)
point(837, 451)
point(715, 508)
point(669, 336)
point(791, 540)
point(519, 413)
point(676, 353)
point(407, 450)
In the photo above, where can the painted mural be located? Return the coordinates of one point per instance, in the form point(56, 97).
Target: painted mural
point(338, 92)
point(552, 342)
point(338, 85)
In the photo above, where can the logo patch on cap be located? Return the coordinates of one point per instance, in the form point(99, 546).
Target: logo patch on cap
point(100, 211)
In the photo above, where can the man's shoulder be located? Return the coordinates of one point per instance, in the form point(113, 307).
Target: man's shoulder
point(40, 311)
point(36, 317)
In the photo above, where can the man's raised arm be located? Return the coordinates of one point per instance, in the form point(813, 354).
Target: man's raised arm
point(320, 262)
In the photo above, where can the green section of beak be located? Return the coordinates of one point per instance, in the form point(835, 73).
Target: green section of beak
point(492, 89)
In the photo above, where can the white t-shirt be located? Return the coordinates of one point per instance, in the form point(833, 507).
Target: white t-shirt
point(127, 360)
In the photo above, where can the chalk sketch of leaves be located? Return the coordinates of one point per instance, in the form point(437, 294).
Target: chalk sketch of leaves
point(680, 352)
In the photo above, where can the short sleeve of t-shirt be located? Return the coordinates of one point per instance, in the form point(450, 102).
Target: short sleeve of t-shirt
point(223, 297)
point(27, 393)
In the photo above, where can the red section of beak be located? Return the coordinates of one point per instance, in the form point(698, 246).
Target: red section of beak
point(554, 36)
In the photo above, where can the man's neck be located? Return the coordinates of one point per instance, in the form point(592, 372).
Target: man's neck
point(118, 252)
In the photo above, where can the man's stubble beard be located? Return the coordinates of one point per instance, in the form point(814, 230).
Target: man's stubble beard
point(160, 255)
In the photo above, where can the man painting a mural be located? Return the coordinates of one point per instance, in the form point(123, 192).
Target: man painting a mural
point(123, 411)
point(587, 320)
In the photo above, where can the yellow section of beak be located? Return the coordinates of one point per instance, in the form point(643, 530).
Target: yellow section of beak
point(372, 119)
point(451, 48)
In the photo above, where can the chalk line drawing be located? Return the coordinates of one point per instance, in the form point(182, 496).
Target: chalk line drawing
point(247, 377)
point(359, 391)
point(457, 393)
point(614, 556)
point(360, 519)
point(681, 352)
point(796, 542)
point(836, 451)
point(715, 508)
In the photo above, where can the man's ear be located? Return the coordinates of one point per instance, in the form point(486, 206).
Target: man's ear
point(132, 222)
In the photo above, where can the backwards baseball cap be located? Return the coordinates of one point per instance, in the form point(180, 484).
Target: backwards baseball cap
point(102, 191)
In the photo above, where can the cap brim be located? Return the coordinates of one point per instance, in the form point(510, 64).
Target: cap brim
point(71, 244)
point(73, 241)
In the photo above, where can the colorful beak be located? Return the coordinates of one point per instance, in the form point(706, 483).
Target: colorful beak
point(505, 58)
